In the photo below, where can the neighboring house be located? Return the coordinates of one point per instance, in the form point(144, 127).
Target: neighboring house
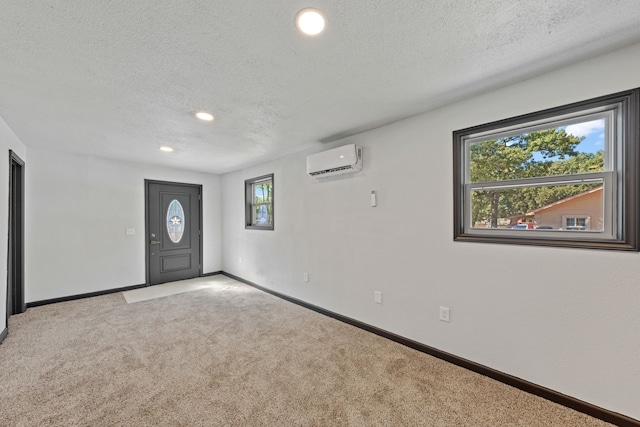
point(580, 212)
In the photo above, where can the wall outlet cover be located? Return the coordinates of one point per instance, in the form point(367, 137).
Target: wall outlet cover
point(444, 314)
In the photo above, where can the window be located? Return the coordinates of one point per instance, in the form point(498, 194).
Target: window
point(576, 222)
point(259, 203)
point(567, 176)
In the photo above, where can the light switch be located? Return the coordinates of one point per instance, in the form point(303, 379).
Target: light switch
point(377, 297)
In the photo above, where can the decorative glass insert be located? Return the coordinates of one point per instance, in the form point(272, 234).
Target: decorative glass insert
point(175, 221)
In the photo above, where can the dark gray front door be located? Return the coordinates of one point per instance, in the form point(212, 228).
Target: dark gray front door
point(173, 231)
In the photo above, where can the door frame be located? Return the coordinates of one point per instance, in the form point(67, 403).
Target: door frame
point(147, 232)
point(15, 239)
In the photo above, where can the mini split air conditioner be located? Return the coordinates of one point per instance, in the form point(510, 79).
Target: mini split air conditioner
point(338, 161)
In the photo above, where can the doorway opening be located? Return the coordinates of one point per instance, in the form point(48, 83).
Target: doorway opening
point(15, 252)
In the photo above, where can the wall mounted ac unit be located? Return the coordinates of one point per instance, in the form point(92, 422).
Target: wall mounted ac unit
point(338, 161)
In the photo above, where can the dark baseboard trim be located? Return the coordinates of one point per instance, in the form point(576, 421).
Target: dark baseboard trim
point(529, 387)
point(80, 296)
point(98, 293)
point(215, 273)
point(3, 335)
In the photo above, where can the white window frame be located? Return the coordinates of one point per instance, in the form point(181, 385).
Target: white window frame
point(586, 218)
point(619, 177)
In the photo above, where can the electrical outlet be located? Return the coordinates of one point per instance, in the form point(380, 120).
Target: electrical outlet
point(444, 314)
point(377, 297)
point(306, 277)
point(240, 259)
point(130, 231)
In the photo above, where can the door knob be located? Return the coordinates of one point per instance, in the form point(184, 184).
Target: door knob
point(155, 242)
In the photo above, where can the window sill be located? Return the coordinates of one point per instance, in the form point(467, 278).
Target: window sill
point(258, 227)
point(560, 243)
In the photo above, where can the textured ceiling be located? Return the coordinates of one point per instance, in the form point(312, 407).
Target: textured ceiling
point(120, 78)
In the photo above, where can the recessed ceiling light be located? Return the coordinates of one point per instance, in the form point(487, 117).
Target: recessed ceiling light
point(204, 116)
point(166, 149)
point(310, 21)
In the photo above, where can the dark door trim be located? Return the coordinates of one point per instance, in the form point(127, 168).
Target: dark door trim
point(15, 241)
point(147, 182)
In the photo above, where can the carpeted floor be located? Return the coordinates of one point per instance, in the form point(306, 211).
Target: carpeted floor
point(230, 355)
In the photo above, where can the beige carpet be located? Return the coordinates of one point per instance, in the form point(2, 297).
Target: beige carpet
point(235, 356)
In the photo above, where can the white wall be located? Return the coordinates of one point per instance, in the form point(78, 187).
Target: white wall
point(566, 319)
point(8, 141)
point(77, 210)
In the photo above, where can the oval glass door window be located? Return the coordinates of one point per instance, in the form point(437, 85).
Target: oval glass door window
point(175, 221)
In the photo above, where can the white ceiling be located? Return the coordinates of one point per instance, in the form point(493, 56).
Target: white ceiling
point(120, 78)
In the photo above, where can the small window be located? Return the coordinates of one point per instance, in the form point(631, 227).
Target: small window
point(560, 177)
point(576, 223)
point(259, 203)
